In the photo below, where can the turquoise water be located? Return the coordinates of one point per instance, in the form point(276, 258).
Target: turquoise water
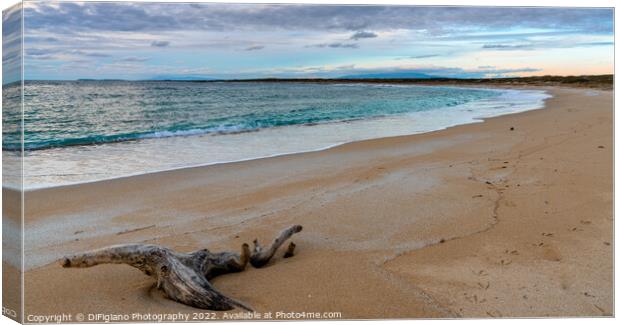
point(87, 131)
point(68, 113)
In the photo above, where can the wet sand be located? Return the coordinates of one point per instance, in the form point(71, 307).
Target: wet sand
point(510, 217)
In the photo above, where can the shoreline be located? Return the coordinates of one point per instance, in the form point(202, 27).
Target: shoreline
point(476, 220)
point(477, 120)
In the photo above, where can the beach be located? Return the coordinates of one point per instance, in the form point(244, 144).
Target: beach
point(507, 218)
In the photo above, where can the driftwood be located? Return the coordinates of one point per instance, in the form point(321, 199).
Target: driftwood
point(184, 277)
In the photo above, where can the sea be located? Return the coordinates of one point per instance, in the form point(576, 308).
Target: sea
point(84, 131)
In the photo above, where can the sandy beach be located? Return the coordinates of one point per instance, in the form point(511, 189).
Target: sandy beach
point(507, 218)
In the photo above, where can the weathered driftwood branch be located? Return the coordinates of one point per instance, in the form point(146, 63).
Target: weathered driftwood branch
point(261, 256)
point(184, 277)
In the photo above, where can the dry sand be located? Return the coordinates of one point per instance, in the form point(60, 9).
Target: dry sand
point(473, 221)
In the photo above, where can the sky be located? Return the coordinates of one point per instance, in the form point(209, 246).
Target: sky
point(124, 40)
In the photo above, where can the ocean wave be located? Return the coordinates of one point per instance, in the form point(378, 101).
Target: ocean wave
point(226, 129)
point(102, 139)
point(183, 110)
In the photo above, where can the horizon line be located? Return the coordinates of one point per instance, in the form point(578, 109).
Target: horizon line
point(203, 79)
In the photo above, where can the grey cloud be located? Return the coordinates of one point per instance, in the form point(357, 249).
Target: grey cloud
point(425, 56)
point(597, 44)
point(531, 45)
point(346, 67)
point(506, 46)
point(437, 20)
point(363, 34)
point(254, 48)
point(134, 59)
point(160, 43)
point(51, 53)
point(421, 56)
point(36, 52)
point(67, 16)
point(336, 45)
point(11, 44)
point(40, 39)
point(90, 54)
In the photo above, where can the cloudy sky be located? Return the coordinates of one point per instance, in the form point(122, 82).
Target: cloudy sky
point(149, 40)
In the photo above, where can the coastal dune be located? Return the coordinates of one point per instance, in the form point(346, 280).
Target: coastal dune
point(510, 217)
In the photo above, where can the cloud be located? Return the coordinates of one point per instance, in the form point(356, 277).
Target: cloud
point(506, 47)
point(454, 72)
point(36, 52)
point(424, 56)
point(160, 43)
point(363, 34)
point(11, 44)
point(597, 44)
point(336, 45)
point(134, 59)
point(90, 54)
point(546, 44)
point(254, 48)
point(64, 16)
point(421, 56)
point(40, 39)
point(55, 53)
point(496, 70)
point(438, 71)
point(82, 34)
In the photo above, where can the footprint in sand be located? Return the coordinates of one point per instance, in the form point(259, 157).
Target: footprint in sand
point(510, 204)
point(494, 313)
point(552, 254)
point(474, 299)
point(480, 273)
point(505, 262)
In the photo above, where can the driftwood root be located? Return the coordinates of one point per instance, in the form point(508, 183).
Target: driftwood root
point(184, 277)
